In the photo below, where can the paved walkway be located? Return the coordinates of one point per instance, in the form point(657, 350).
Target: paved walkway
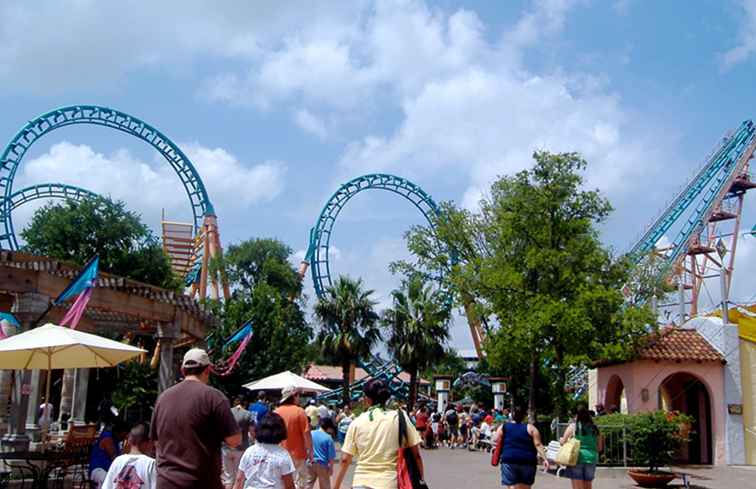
point(461, 469)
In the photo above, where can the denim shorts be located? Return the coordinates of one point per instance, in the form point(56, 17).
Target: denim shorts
point(581, 472)
point(512, 474)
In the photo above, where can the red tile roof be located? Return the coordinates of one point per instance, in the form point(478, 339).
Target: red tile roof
point(679, 345)
point(325, 373)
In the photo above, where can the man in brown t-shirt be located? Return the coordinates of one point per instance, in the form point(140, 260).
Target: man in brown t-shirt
point(190, 421)
point(298, 441)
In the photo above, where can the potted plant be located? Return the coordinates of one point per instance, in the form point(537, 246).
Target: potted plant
point(654, 438)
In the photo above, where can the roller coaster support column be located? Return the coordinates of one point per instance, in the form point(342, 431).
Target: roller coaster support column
point(499, 389)
point(212, 251)
point(443, 387)
point(473, 320)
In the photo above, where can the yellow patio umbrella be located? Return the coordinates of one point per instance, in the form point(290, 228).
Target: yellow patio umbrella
point(55, 347)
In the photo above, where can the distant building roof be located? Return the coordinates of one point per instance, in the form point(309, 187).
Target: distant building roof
point(332, 373)
point(679, 344)
point(675, 344)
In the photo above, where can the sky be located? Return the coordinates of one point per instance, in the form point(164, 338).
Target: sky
point(278, 103)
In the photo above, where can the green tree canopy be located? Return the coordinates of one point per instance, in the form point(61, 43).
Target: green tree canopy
point(262, 280)
point(76, 231)
point(348, 325)
point(418, 328)
point(532, 260)
point(262, 260)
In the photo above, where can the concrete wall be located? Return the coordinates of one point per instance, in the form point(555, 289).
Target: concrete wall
point(725, 339)
point(748, 364)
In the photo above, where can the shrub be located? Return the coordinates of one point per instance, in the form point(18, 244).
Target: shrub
point(656, 436)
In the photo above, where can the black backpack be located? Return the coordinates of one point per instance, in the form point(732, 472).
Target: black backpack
point(451, 418)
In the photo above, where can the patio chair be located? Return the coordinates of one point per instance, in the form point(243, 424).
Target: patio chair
point(75, 449)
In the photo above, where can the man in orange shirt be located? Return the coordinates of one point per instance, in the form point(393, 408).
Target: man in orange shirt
point(298, 442)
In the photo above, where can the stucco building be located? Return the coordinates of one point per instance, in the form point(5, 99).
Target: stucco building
point(706, 369)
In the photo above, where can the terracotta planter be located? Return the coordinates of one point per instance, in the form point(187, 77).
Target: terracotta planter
point(651, 479)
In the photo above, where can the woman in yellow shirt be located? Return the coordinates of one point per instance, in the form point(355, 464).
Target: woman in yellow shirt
point(373, 440)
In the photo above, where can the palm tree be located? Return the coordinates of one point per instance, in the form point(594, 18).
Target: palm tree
point(349, 325)
point(418, 325)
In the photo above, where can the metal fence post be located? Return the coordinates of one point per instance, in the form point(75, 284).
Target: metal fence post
point(624, 445)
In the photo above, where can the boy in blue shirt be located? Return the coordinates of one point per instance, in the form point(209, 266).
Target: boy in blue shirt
point(323, 454)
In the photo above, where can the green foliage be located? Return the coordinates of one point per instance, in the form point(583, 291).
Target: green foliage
point(532, 260)
point(648, 279)
point(448, 363)
point(348, 324)
point(262, 260)
point(262, 281)
point(653, 437)
point(136, 387)
point(76, 231)
point(418, 328)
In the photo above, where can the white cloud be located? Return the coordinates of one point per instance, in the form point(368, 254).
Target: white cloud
point(310, 123)
point(99, 42)
point(546, 17)
point(746, 45)
point(466, 104)
point(149, 187)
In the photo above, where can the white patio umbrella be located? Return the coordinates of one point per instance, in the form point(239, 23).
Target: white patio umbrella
point(285, 379)
point(54, 347)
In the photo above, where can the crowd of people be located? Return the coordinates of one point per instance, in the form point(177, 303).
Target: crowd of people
point(197, 439)
point(470, 428)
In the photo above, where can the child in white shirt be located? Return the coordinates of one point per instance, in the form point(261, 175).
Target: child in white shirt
point(266, 465)
point(136, 469)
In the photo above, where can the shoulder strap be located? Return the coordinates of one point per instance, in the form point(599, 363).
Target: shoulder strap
point(402, 427)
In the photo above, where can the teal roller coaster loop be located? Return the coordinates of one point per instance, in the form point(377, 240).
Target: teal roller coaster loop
point(14, 152)
point(317, 257)
point(320, 234)
point(49, 191)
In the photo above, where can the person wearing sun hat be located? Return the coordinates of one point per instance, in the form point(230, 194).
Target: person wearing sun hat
point(189, 423)
point(299, 440)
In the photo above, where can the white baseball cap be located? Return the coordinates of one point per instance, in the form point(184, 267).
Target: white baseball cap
point(196, 357)
point(288, 391)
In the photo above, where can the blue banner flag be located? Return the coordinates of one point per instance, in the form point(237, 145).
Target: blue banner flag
point(83, 281)
point(240, 334)
point(6, 316)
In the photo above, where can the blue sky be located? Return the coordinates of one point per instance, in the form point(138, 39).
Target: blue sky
point(278, 104)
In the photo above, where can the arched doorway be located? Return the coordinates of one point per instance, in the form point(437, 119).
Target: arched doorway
point(615, 399)
point(687, 394)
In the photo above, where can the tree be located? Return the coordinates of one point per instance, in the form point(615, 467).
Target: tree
point(76, 231)
point(448, 363)
point(349, 325)
point(417, 324)
point(262, 280)
point(532, 259)
point(262, 260)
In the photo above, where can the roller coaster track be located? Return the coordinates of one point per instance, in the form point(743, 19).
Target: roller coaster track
point(691, 209)
point(317, 257)
point(701, 221)
point(14, 152)
point(49, 191)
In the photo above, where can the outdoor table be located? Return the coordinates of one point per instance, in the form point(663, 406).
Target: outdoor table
point(41, 464)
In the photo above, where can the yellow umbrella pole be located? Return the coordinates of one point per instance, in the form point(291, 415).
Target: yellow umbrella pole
point(46, 434)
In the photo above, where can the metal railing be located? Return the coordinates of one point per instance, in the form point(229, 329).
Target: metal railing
point(617, 451)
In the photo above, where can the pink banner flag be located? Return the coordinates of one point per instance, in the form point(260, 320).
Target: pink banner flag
point(228, 365)
point(73, 316)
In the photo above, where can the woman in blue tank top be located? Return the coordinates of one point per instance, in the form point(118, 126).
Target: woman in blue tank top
point(104, 450)
point(519, 453)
